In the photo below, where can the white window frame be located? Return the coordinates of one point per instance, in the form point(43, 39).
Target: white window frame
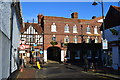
point(88, 30)
point(75, 39)
point(88, 39)
point(95, 30)
point(53, 38)
point(96, 39)
point(75, 29)
point(53, 28)
point(66, 28)
point(66, 40)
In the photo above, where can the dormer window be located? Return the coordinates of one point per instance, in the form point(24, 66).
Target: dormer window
point(95, 30)
point(53, 28)
point(88, 30)
point(75, 29)
point(66, 28)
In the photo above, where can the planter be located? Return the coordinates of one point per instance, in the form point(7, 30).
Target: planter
point(53, 43)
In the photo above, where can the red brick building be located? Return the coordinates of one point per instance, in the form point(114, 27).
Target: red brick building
point(67, 30)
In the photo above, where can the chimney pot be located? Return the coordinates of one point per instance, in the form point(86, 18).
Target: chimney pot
point(74, 15)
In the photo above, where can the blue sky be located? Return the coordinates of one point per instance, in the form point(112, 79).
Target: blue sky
point(85, 10)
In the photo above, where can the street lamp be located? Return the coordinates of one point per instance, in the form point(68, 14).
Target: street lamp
point(102, 6)
point(104, 41)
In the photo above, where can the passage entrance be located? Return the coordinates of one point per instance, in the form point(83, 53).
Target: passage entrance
point(54, 53)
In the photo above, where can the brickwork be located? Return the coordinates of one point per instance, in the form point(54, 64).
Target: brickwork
point(61, 22)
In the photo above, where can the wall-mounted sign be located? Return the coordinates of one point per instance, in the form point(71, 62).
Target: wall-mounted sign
point(105, 44)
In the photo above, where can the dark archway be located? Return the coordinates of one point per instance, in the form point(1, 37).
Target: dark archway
point(54, 53)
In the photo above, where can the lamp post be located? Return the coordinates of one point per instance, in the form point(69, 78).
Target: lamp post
point(103, 25)
point(104, 41)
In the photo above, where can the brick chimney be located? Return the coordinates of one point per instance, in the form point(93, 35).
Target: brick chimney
point(74, 15)
point(93, 17)
point(40, 16)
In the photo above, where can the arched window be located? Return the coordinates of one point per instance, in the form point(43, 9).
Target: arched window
point(66, 39)
point(88, 30)
point(75, 39)
point(95, 30)
point(75, 29)
point(66, 29)
point(53, 28)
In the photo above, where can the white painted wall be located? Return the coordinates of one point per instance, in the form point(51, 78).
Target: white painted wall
point(115, 49)
point(45, 55)
point(62, 55)
point(15, 42)
point(115, 57)
point(110, 37)
point(0, 55)
point(5, 43)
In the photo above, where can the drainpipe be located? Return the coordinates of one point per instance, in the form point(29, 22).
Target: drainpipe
point(11, 35)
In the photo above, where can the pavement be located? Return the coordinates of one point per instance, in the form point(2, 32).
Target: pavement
point(57, 71)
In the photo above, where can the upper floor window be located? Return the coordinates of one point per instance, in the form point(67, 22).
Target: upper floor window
point(53, 28)
point(53, 38)
point(88, 30)
point(96, 40)
point(75, 29)
point(66, 29)
point(66, 39)
point(88, 39)
point(95, 30)
point(75, 39)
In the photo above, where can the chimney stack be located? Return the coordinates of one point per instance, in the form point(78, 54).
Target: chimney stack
point(93, 17)
point(40, 16)
point(74, 15)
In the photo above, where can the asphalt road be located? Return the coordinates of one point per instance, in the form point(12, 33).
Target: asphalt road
point(56, 71)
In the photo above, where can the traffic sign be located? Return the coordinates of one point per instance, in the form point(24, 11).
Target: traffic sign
point(22, 47)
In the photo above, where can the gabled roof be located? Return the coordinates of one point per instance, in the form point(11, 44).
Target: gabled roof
point(35, 26)
point(112, 18)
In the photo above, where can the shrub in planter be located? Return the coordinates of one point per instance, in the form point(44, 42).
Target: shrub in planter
point(53, 43)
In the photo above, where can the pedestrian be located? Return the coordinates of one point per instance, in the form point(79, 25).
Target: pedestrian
point(41, 56)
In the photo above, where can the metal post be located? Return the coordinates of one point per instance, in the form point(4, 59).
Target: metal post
point(102, 5)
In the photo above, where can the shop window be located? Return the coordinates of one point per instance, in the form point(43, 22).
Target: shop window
point(89, 55)
point(77, 54)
